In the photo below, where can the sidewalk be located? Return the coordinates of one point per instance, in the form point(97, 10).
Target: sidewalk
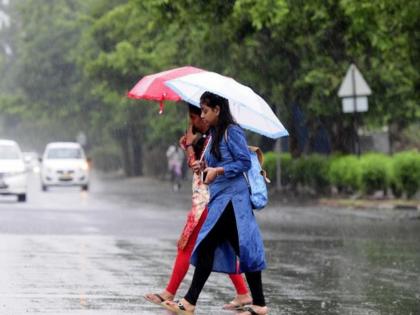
point(158, 192)
point(394, 204)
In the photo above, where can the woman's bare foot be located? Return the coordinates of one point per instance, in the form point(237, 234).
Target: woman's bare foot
point(254, 309)
point(158, 298)
point(238, 301)
point(182, 304)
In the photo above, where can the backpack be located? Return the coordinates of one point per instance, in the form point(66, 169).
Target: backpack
point(256, 178)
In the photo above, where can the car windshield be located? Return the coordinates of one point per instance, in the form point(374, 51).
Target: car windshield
point(64, 153)
point(9, 152)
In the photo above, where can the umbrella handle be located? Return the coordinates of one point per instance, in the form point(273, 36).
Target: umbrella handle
point(161, 105)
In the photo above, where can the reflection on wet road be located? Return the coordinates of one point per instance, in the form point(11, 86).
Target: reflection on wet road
point(67, 252)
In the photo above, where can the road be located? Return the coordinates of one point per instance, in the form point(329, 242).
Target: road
point(97, 252)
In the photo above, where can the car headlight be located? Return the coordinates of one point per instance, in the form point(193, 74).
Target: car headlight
point(85, 166)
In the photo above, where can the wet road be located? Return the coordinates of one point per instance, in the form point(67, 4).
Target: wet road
point(71, 252)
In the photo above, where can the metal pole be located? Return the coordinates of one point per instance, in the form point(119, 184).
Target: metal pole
point(355, 122)
point(278, 166)
point(278, 150)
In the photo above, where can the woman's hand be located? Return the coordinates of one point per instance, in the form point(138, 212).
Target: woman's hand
point(197, 166)
point(212, 173)
point(188, 138)
point(182, 142)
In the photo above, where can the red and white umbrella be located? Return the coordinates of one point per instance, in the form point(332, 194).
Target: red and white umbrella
point(189, 83)
point(152, 87)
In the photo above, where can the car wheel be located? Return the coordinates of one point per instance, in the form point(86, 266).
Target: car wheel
point(85, 187)
point(44, 188)
point(21, 197)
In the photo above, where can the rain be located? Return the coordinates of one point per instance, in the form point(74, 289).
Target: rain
point(95, 188)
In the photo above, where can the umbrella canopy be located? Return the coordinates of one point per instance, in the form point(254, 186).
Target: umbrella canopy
point(152, 87)
point(247, 107)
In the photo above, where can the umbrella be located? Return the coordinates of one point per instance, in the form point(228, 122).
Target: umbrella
point(247, 107)
point(151, 87)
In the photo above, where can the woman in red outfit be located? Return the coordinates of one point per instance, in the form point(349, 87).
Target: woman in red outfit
point(194, 145)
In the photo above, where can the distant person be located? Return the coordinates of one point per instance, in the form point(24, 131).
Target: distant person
point(229, 240)
point(175, 156)
point(194, 145)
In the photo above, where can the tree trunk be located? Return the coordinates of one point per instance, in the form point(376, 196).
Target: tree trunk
point(121, 135)
point(294, 149)
point(136, 151)
point(342, 134)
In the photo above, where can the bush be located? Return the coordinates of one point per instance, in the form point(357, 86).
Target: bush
point(312, 171)
point(406, 173)
point(375, 172)
point(286, 161)
point(349, 173)
point(344, 173)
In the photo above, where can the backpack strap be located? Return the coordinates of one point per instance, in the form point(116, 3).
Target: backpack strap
point(260, 156)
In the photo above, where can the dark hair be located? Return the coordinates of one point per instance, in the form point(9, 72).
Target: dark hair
point(199, 145)
point(225, 119)
point(194, 109)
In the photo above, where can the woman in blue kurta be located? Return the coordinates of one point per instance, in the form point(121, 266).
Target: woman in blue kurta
point(230, 240)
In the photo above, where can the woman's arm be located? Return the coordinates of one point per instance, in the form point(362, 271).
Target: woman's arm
point(187, 143)
point(238, 147)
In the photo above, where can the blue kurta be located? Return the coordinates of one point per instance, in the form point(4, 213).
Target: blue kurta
point(232, 186)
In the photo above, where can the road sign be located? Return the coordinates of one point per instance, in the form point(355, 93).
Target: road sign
point(354, 84)
point(359, 102)
point(354, 91)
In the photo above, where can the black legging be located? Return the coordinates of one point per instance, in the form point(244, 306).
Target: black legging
point(224, 230)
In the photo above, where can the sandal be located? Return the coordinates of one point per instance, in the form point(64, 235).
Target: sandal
point(176, 307)
point(250, 310)
point(158, 299)
point(233, 306)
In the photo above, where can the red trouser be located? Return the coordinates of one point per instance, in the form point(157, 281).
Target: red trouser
point(182, 263)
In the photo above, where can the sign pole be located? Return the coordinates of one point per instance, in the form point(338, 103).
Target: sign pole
point(356, 140)
point(354, 92)
point(278, 163)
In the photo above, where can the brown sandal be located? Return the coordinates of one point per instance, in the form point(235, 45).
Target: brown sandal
point(160, 298)
point(250, 310)
point(233, 306)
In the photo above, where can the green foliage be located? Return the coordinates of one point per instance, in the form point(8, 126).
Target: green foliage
point(106, 158)
point(406, 173)
point(344, 173)
point(375, 172)
point(75, 61)
point(166, 128)
point(47, 72)
point(270, 162)
point(312, 171)
point(262, 13)
point(369, 173)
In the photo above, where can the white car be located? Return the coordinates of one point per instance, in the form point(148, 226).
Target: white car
point(64, 164)
point(13, 177)
point(31, 161)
